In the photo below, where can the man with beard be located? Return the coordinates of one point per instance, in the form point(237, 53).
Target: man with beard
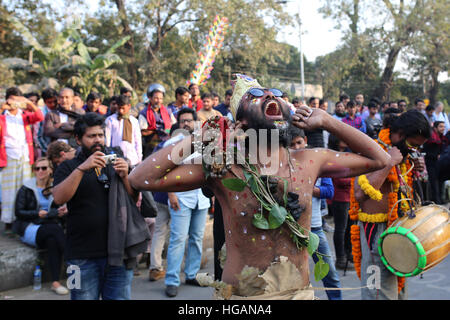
point(373, 198)
point(248, 247)
point(84, 184)
point(339, 110)
point(155, 119)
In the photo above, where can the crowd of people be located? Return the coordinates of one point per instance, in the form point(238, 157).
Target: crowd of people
point(57, 184)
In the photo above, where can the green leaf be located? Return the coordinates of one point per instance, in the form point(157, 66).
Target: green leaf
point(260, 222)
point(104, 61)
point(118, 44)
point(25, 33)
point(82, 50)
point(285, 191)
point(253, 167)
point(277, 216)
point(321, 269)
point(124, 83)
point(253, 185)
point(234, 184)
point(313, 243)
point(247, 175)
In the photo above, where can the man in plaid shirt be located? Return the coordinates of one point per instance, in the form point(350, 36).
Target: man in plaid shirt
point(352, 119)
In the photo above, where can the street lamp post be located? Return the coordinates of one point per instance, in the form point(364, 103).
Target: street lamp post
point(302, 74)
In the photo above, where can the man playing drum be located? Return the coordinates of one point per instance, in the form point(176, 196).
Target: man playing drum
point(374, 202)
point(248, 246)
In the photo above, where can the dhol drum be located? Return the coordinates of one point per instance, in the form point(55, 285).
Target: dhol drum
point(411, 246)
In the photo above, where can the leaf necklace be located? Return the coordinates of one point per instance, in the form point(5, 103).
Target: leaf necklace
point(277, 215)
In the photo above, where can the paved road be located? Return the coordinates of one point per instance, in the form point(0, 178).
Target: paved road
point(433, 285)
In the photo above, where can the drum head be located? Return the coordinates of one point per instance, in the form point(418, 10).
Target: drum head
point(400, 253)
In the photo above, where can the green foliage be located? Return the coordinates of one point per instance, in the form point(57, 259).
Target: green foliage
point(428, 54)
point(50, 57)
point(277, 215)
point(38, 17)
point(94, 74)
point(321, 269)
point(6, 76)
point(353, 68)
point(165, 37)
point(234, 184)
point(389, 29)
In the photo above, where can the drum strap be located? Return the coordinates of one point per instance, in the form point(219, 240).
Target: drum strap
point(370, 230)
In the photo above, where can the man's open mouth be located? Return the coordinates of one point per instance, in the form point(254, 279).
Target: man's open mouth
point(272, 111)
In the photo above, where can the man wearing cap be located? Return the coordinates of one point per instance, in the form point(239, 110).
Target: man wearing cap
point(155, 120)
point(251, 249)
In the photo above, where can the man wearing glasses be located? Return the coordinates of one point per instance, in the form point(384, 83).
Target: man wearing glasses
point(188, 212)
point(255, 107)
point(401, 139)
point(402, 105)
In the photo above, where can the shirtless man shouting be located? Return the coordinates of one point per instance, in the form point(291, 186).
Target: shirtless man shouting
point(247, 245)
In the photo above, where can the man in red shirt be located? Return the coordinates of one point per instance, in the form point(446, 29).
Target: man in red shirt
point(195, 102)
point(18, 114)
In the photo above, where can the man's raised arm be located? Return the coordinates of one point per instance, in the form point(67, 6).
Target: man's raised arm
point(368, 156)
point(159, 172)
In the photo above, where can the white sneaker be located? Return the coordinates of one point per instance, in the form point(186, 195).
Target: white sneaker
point(61, 290)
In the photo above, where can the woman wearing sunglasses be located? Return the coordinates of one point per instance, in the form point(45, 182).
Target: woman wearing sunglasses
point(38, 220)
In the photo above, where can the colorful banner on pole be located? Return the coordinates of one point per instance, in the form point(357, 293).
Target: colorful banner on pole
point(211, 48)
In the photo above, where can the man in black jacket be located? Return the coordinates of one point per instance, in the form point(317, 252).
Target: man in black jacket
point(84, 185)
point(315, 137)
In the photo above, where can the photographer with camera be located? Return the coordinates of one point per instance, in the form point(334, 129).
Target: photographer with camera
point(102, 215)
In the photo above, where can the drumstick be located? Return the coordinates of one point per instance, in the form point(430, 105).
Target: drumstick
point(97, 171)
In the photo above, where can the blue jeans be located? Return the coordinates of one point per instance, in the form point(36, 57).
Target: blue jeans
point(98, 279)
point(332, 278)
point(185, 223)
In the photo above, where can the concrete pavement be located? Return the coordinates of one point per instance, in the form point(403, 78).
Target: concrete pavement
point(433, 285)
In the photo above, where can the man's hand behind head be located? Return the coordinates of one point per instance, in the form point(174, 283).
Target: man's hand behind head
point(307, 118)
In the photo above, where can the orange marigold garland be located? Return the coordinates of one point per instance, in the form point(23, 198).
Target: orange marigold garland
point(356, 248)
point(354, 205)
point(354, 229)
point(392, 177)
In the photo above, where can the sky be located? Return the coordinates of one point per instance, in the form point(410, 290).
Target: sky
point(318, 34)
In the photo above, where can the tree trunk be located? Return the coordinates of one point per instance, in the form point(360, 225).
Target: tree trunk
point(434, 88)
point(383, 90)
point(129, 45)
